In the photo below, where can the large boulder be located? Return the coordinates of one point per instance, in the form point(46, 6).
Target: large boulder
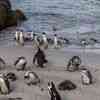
point(5, 3)
point(9, 17)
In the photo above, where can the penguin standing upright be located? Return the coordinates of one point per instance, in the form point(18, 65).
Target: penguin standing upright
point(40, 58)
point(35, 40)
point(55, 41)
point(86, 76)
point(21, 38)
point(17, 37)
point(45, 41)
point(32, 35)
point(54, 95)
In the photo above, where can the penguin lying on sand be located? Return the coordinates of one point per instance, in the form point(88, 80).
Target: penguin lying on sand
point(11, 76)
point(67, 85)
point(54, 95)
point(4, 84)
point(73, 64)
point(31, 78)
point(86, 77)
point(20, 63)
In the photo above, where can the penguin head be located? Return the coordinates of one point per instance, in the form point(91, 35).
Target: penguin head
point(26, 76)
point(55, 35)
point(44, 33)
point(83, 70)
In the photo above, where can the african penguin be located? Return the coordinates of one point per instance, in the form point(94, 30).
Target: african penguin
point(4, 84)
point(73, 64)
point(45, 41)
point(31, 78)
point(54, 94)
point(20, 63)
point(21, 38)
point(86, 76)
point(2, 63)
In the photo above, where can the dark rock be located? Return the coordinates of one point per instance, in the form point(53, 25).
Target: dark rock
point(5, 3)
point(9, 17)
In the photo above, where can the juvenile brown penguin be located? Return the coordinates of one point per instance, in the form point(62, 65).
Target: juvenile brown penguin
point(40, 58)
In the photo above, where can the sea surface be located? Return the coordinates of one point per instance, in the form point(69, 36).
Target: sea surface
point(71, 18)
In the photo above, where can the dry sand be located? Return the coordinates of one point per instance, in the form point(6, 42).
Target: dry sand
point(55, 70)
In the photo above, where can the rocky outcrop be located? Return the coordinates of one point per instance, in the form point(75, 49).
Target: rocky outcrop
point(5, 3)
point(8, 17)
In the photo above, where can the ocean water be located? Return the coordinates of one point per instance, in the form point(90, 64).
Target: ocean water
point(69, 17)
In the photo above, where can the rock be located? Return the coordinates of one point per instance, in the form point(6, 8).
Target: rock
point(6, 3)
point(3, 16)
point(9, 17)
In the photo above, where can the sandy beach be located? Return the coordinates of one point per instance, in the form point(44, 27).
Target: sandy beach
point(54, 70)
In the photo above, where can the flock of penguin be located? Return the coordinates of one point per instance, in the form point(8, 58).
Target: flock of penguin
point(40, 40)
point(31, 78)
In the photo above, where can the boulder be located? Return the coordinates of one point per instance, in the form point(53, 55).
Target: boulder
point(8, 17)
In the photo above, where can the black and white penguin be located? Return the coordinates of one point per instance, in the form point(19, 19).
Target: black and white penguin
point(54, 94)
point(20, 63)
point(73, 64)
point(45, 41)
point(31, 78)
point(17, 33)
point(2, 63)
point(55, 41)
point(21, 38)
point(4, 84)
point(35, 40)
point(86, 76)
point(11, 76)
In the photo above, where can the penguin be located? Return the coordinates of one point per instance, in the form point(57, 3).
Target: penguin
point(86, 77)
point(40, 58)
point(45, 41)
point(17, 37)
point(20, 63)
point(55, 41)
point(32, 35)
point(73, 64)
point(11, 76)
point(4, 84)
point(21, 38)
point(35, 40)
point(2, 63)
point(31, 78)
point(67, 85)
point(54, 94)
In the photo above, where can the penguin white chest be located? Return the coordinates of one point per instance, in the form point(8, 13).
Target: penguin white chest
point(55, 40)
point(3, 86)
point(85, 78)
point(44, 38)
point(21, 62)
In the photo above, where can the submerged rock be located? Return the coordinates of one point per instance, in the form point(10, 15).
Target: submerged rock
point(8, 17)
